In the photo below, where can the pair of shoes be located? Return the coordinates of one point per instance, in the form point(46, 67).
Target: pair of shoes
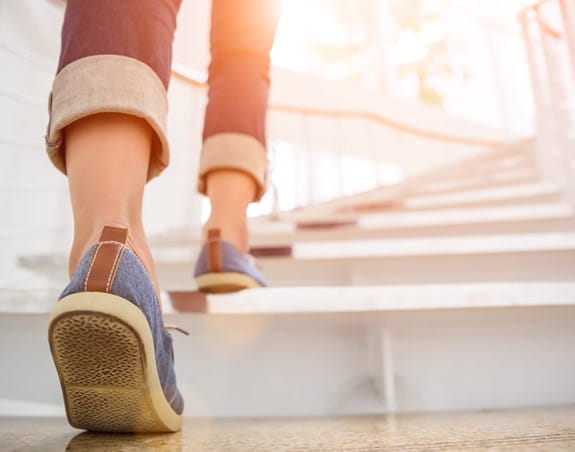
point(113, 355)
point(222, 268)
point(112, 352)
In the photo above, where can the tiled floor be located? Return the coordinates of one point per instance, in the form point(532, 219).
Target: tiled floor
point(542, 429)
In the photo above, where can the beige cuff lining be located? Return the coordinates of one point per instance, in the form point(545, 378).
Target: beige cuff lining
point(108, 84)
point(236, 151)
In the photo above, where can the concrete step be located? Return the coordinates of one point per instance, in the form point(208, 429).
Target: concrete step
point(523, 175)
point(396, 200)
point(438, 223)
point(519, 166)
point(513, 257)
point(340, 350)
point(345, 299)
point(484, 164)
point(427, 246)
point(360, 262)
point(415, 270)
point(518, 194)
point(332, 299)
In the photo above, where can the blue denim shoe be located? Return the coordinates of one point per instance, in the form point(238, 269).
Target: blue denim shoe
point(221, 267)
point(112, 352)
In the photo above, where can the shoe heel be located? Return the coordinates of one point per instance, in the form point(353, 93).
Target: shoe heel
point(215, 279)
point(225, 282)
point(103, 350)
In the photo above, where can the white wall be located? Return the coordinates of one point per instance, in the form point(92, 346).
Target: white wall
point(36, 217)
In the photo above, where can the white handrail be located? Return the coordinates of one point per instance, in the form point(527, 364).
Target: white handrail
point(568, 15)
point(551, 60)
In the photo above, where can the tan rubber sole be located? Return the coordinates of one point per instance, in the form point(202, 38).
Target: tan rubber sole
point(225, 282)
point(104, 354)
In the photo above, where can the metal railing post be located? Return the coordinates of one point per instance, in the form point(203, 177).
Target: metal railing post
point(561, 92)
point(568, 17)
point(558, 103)
point(544, 123)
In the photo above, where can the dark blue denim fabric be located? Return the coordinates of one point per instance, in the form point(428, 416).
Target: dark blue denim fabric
point(233, 261)
point(133, 284)
point(241, 38)
point(140, 29)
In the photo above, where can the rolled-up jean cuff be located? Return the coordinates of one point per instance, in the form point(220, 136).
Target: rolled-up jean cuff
point(236, 151)
point(108, 84)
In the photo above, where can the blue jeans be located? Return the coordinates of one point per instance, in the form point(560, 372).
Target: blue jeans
point(120, 31)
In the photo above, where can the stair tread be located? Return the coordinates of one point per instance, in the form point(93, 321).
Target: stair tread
point(337, 299)
point(389, 193)
point(280, 300)
point(372, 248)
point(486, 194)
point(263, 230)
point(473, 215)
point(429, 246)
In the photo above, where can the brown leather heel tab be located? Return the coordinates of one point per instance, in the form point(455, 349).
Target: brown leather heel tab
point(214, 234)
point(105, 261)
point(214, 254)
point(113, 234)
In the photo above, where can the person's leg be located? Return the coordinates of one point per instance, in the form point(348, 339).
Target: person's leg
point(108, 109)
point(107, 162)
point(112, 353)
point(233, 159)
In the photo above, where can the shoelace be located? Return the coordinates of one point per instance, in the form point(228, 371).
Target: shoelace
point(177, 328)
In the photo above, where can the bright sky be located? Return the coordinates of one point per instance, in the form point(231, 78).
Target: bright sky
point(307, 21)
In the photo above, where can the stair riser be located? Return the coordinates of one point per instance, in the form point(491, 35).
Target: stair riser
point(443, 230)
point(529, 267)
point(521, 176)
point(331, 364)
point(426, 203)
point(502, 267)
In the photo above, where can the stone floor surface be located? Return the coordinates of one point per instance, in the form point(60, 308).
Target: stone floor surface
point(540, 429)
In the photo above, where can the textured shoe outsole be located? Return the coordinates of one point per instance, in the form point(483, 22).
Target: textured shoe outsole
point(225, 282)
point(103, 350)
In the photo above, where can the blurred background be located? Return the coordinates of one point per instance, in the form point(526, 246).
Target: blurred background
point(421, 144)
point(364, 94)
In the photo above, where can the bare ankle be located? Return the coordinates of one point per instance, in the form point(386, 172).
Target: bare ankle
point(233, 230)
point(230, 193)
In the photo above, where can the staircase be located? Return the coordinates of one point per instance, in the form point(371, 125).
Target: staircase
point(453, 289)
